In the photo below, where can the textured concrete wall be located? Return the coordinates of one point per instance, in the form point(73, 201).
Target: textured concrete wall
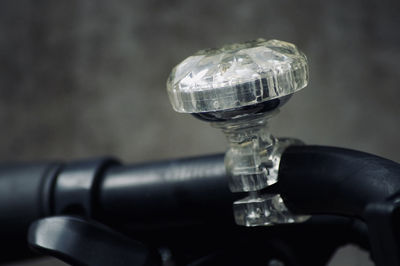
point(87, 78)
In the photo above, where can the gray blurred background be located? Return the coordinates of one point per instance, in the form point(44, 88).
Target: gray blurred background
point(87, 78)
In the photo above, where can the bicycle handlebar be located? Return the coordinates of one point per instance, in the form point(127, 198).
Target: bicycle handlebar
point(312, 180)
point(317, 179)
point(177, 192)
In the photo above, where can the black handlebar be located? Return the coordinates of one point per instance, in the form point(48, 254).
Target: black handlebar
point(337, 181)
point(177, 192)
point(189, 192)
point(24, 197)
point(317, 179)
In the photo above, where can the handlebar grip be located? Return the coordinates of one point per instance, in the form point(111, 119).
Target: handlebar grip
point(327, 180)
point(24, 197)
point(175, 192)
point(330, 180)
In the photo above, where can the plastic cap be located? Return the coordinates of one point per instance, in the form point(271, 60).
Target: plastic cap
point(237, 75)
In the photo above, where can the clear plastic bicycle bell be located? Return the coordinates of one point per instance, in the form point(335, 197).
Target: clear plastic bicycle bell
point(238, 88)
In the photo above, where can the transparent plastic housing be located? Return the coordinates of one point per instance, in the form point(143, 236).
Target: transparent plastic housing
point(252, 163)
point(256, 210)
point(217, 84)
point(253, 157)
point(237, 75)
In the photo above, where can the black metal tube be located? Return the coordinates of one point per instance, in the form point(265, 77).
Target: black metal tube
point(176, 192)
point(328, 180)
point(312, 179)
point(24, 197)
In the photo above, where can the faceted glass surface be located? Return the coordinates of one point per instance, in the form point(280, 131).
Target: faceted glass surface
point(264, 210)
point(237, 75)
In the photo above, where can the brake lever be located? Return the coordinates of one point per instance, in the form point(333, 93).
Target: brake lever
point(80, 242)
